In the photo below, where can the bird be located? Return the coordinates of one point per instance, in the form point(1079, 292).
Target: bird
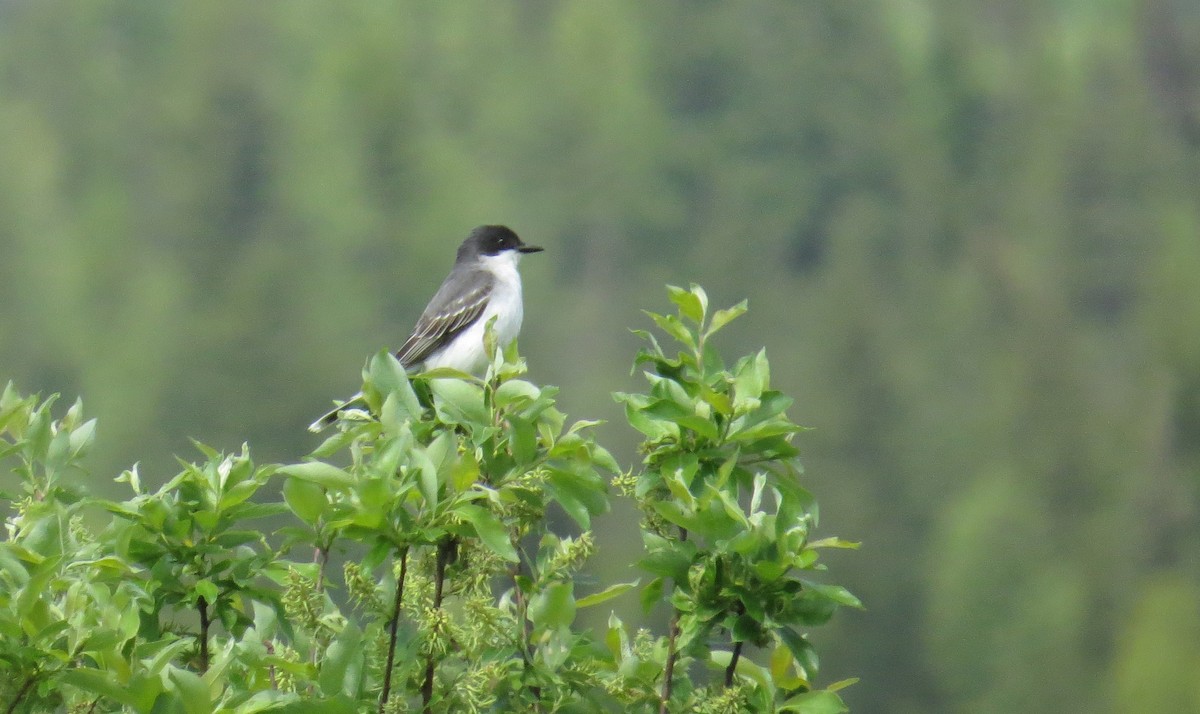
point(483, 286)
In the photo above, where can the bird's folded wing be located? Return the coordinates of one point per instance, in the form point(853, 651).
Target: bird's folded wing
point(442, 321)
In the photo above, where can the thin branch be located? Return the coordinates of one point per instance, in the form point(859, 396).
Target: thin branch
point(270, 647)
point(392, 628)
point(526, 631)
point(669, 669)
point(439, 582)
point(205, 623)
point(733, 662)
point(321, 558)
point(672, 651)
point(522, 613)
point(21, 693)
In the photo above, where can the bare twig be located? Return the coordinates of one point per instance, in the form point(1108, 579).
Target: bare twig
point(321, 558)
point(733, 662)
point(526, 631)
point(392, 628)
point(672, 650)
point(669, 669)
point(439, 582)
point(271, 669)
point(205, 623)
point(21, 693)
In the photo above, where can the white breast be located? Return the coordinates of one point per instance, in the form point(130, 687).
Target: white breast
point(466, 353)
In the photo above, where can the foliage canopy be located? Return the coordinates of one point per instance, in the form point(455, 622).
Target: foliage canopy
point(456, 593)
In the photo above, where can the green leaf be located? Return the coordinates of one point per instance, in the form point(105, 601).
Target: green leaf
point(809, 608)
point(554, 606)
point(723, 317)
point(447, 373)
point(746, 629)
point(763, 430)
point(459, 402)
point(767, 570)
point(818, 702)
point(320, 473)
point(37, 434)
point(30, 596)
point(489, 529)
point(679, 489)
point(652, 594)
point(305, 498)
point(523, 438)
point(602, 459)
point(387, 376)
point(750, 379)
point(392, 414)
point(763, 418)
point(728, 504)
point(333, 444)
point(580, 491)
point(341, 666)
point(651, 354)
point(679, 515)
point(841, 684)
point(310, 705)
point(163, 652)
point(267, 700)
point(427, 476)
point(719, 401)
point(669, 559)
point(675, 328)
point(654, 428)
point(249, 511)
point(683, 416)
point(693, 304)
point(573, 507)
point(606, 594)
point(57, 452)
point(105, 684)
point(801, 649)
point(836, 593)
point(834, 543)
point(193, 693)
point(234, 538)
point(615, 638)
point(81, 439)
point(516, 390)
point(237, 494)
point(782, 670)
point(207, 590)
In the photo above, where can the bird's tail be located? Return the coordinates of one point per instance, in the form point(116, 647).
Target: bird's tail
point(331, 416)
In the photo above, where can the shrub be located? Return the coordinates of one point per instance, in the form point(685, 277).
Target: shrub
point(457, 594)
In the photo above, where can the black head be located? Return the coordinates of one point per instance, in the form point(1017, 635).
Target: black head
point(493, 240)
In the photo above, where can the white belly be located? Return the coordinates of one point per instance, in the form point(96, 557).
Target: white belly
point(466, 352)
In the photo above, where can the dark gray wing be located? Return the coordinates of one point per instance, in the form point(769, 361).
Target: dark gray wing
point(453, 309)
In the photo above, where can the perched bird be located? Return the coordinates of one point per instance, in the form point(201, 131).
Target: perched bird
point(483, 284)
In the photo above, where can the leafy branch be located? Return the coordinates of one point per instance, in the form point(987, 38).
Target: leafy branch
point(725, 521)
point(463, 510)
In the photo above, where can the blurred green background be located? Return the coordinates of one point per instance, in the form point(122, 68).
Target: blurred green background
point(969, 231)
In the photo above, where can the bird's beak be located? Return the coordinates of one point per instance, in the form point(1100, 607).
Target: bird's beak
point(530, 249)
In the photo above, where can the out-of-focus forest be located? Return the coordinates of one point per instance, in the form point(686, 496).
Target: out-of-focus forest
point(969, 231)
